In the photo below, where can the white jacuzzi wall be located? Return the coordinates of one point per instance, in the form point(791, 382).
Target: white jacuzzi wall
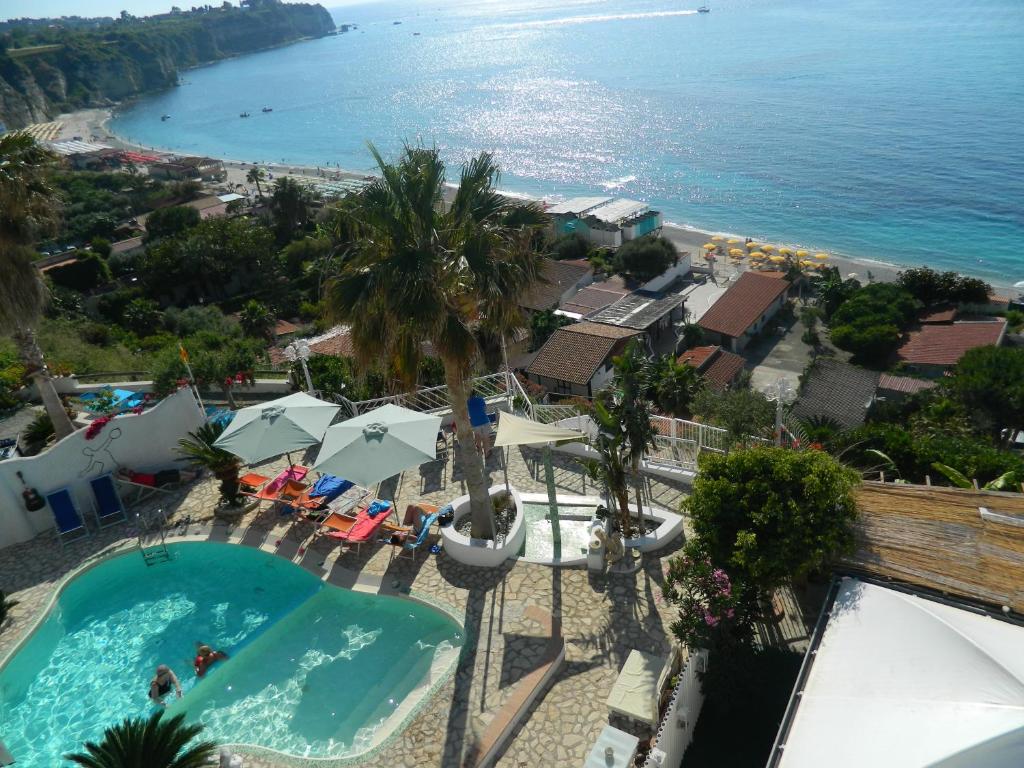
point(484, 553)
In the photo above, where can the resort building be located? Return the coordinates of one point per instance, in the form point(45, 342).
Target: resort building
point(560, 280)
point(594, 297)
point(896, 388)
point(837, 392)
point(651, 313)
point(188, 168)
point(718, 367)
point(744, 310)
point(605, 221)
point(576, 360)
point(933, 349)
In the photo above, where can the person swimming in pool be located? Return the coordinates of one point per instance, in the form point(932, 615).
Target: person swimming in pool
point(205, 656)
point(161, 684)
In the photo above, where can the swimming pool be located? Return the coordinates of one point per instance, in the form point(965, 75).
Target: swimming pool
point(314, 670)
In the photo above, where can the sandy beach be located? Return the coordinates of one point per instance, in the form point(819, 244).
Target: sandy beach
point(93, 124)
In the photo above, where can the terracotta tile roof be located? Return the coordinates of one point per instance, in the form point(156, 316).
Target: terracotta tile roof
point(560, 276)
point(837, 391)
point(282, 327)
point(905, 384)
point(336, 341)
point(591, 299)
point(717, 366)
point(575, 352)
point(946, 344)
point(743, 304)
point(941, 314)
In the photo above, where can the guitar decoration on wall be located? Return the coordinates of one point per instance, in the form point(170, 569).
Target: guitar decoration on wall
point(32, 498)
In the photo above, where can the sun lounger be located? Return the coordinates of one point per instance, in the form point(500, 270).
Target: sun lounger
point(409, 538)
point(252, 481)
point(108, 506)
point(358, 530)
point(66, 517)
point(295, 473)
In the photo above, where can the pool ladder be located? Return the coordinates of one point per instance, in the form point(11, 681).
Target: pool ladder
point(152, 542)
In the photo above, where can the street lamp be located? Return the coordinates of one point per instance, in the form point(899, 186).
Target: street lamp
point(299, 350)
point(781, 393)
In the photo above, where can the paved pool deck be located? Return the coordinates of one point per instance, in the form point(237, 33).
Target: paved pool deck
point(517, 617)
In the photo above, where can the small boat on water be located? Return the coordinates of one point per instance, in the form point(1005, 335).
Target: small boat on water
point(164, 118)
point(268, 109)
point(703, 9)
point(244, 114)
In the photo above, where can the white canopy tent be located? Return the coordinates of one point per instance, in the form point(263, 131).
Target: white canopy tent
point(515, 430)
point(902, 680)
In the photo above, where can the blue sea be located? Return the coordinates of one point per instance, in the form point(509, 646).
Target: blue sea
point(882, 130)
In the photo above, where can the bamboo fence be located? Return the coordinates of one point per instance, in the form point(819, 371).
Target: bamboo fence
point(936, 537)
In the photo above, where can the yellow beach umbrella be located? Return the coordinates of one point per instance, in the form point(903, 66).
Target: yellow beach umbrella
point(751, 246)
point(767, 247)
point(776, 259)
point(785, 251)
point(757, 255)
point(821, 256)
point(718, 238)
point(737, 252)
point(710, 246)
point(802, 254)
point(804, 263)
point(734, 241)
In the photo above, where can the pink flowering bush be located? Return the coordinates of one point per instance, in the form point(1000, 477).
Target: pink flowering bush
point(709, 606)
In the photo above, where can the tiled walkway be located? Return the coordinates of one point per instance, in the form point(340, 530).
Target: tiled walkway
point(600, 617)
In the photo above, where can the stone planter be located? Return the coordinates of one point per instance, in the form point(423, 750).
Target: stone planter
point(483, 552)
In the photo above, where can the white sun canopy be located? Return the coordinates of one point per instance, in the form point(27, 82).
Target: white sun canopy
point(515, 430)
point(901, 680)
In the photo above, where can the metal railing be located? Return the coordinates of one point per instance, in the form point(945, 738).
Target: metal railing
point(493, 388)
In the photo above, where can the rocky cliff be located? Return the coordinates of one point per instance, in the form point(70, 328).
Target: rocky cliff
point(57, 71)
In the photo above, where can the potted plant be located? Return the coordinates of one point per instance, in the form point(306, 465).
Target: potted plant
point(200, 450)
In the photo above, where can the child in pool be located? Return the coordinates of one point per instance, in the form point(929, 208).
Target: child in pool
point(205, 656)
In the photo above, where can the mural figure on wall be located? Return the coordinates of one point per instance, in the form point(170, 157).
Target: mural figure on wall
point(100, 459)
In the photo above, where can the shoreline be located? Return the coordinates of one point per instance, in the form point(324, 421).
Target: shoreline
point(95, 122)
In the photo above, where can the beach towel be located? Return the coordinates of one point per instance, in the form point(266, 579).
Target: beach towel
point(329, 487)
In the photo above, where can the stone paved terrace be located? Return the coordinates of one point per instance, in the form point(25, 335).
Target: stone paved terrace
point(509, 614)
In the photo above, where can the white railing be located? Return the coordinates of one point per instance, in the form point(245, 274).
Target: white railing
point(493, 388)
point(549, 414)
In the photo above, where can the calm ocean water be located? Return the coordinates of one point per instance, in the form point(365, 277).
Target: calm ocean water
point(885, 130)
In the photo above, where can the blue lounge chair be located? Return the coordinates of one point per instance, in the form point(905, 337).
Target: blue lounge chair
point(108, 506)
point(65, 514)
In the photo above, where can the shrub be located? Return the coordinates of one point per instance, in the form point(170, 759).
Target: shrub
point(101, 246)
point(543, 324)
point(571, 246)
point(870, 323)
point(709, 608)
point(84, 274)
point(141, 316)
point(742, 412)
point(646, 257)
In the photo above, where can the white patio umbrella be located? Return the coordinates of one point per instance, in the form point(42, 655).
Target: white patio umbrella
point(260, 432)
point(379, 444)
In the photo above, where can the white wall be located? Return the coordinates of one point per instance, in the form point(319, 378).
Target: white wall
point(140, 442)
point(681, 269)
point(676, 730)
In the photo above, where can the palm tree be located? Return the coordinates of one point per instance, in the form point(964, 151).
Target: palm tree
point(200, 450)
point(256, 320)
point(422, 271)
point(255, 176)
point(612, 468)
point(632, 409)
point(28, 207)
point(291, 206)
point(152, 743)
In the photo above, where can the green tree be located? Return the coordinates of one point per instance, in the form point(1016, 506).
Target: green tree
point(543, 324)
point(767, 515)
point(646, 257)
point(255, 176)
point(426, 272)
point(570, 246)
point(743, 413)
point(28, 208)
point(200, 450)
point(84, 274)
point(833, 291)
point(989, 382)
point(142, 317)
point(170, 222)
point(870, 323)
point(152, 743)
point(257, 321)
point(101, 247)
point(931, 287)
point(291, 208)
point(692, 335)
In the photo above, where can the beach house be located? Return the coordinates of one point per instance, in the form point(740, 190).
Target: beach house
point(744, 309)
point(576, 360)
point(560, 280)
point(719, 368)
point(933, 349)
point(605, 221)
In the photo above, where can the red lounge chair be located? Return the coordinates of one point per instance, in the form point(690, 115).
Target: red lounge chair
point(358, 530)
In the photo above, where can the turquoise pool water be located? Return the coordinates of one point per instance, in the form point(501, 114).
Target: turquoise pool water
point(573, 528)
point(314, 670)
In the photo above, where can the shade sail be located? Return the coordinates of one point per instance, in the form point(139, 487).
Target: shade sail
point(515, 430)
point(291, 423)
point(379, 444)
point(902, 680)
